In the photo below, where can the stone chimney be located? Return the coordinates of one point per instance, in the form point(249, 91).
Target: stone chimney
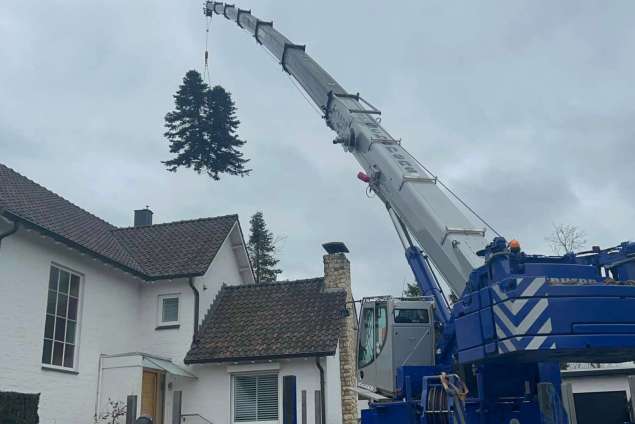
point(142, 217)
point(337, 274)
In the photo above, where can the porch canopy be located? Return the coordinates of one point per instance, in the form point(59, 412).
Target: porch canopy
point(165, 365)
point(143, 360)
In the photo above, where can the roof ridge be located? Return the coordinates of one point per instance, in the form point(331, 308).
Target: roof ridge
point(57, 195)
point(276, 283)
point(184, 221)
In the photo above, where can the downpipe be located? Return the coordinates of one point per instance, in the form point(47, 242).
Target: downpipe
point(322, 394)
point(196, 307)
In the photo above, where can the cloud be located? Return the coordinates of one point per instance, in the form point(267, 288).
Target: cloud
point(525, 111)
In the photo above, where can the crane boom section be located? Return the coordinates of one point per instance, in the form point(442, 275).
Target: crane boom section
point(444, 232)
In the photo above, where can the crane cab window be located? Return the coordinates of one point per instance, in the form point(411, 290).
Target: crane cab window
point(373, 332)
point(381, 327)
point(411, 316)
point(365, 354)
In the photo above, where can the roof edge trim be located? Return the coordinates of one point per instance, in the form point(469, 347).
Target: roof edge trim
point(260, 358)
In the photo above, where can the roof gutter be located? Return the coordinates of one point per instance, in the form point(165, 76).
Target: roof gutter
point(322, 401)
point(12, 231)
point(196, 307)
point(74, 245)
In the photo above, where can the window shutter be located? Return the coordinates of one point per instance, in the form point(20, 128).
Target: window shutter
point(268, 397)
point(289, 400)
point(245, 398)
point(255, 398)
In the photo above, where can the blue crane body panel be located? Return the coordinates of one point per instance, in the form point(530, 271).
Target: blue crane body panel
point(545, 318)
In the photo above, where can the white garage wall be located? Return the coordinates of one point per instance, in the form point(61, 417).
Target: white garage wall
point(599, 383)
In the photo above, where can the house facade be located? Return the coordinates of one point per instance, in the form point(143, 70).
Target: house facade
point(93, 314)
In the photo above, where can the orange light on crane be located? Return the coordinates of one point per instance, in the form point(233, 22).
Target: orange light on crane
point(514, 245)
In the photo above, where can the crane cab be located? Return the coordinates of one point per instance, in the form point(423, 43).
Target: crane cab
point(393, 332)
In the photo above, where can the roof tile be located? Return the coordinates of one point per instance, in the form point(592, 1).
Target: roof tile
point(270, 320)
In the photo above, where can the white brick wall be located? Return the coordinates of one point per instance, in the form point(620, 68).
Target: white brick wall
point(109, 305)
point(210, 395)
point(118, 315)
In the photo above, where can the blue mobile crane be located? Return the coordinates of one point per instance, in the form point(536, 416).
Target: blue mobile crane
point(493, 356)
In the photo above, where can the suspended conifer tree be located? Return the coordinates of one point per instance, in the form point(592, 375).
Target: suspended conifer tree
point(202, 130)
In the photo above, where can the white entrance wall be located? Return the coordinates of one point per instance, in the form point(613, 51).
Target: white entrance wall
point(120, 376)
point(210, 395)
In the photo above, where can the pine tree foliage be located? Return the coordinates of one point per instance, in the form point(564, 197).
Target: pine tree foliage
point(202, 130)
point(412, 290)
point(261, 248)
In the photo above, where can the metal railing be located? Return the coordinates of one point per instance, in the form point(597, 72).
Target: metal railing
point(195, 419)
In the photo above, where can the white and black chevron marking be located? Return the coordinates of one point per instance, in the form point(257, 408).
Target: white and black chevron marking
point(523, 315)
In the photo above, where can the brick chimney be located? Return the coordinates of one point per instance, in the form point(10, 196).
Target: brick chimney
point(337, 274)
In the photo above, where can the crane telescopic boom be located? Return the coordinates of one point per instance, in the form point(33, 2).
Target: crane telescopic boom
point(443, 231)
point(520, 316)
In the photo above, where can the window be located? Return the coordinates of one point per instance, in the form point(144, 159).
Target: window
point(365, 355)
point(169, 309)
point(411, 316)
point(255, 398)
point(62, 315)
point(373, 334)
point(381, 327)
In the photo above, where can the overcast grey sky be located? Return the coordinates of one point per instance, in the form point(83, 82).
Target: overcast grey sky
point(526, 108)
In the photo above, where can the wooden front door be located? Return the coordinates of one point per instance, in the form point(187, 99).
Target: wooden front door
point(151, 401)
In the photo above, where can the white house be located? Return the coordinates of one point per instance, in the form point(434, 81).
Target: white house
point(90, 313)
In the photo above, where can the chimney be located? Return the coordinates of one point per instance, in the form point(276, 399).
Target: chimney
point(142, 217)
point(337, 274)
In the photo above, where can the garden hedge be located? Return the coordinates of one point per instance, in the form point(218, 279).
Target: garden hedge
point(19, 408)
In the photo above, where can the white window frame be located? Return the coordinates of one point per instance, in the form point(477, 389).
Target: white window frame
point(161, 298)
point(255, 374)
point(80, 304)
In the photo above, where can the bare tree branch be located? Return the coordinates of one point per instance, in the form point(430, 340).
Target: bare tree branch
point(566, 238)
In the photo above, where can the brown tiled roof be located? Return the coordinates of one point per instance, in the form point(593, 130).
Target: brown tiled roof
point(177, 249)
point(270, 320)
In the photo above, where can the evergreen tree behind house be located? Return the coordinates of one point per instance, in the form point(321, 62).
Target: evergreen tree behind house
point(262, 249)
point(202, 130)
point(412, 290)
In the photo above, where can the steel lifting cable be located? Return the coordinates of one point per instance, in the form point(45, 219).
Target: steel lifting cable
point(208, 24)
point(456, 196)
